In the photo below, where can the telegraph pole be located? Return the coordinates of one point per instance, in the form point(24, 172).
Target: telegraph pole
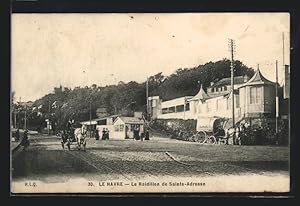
point(277, 102)
point(283, 48)
point(25, 122)
point(90, 117)
point(147, 94)
point(232, 49)
point(48, 124)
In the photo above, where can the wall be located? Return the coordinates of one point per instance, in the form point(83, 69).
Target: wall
point(173, 102)
point(269, 99)
point(110, 129)
point(178, 115)
point(221, 106)
point(118, 134)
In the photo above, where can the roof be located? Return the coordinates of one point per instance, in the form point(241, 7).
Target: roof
point(94, 121)
point(258, 79)
point(201, 95)
point(227, 81)
point(131, 120)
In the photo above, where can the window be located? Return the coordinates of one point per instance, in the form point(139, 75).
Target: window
point(180, 108)
point(171, 109)
point(225, 88)
point(237, 101)
point(258, 95)
point(154, 103)
point(119, 128)
point(255, 95)
point(187, 107)
point(228, 103)
point(165, 110)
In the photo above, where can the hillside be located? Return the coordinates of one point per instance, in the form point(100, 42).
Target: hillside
point(125, 98)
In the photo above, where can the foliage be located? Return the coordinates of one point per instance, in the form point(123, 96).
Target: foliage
point(125, 98)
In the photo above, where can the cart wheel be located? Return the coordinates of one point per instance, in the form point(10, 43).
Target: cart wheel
point(211, 140)
point(200, 137)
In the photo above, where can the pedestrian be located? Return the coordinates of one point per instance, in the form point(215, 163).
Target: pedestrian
point(17, 135)
point(147, 134)
point(97, 134)
point(107, 134)
point(142, 133)
point(25, 141)
point(103, 134)
point(136, 133)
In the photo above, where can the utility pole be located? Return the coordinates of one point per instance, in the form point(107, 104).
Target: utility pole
point(277, 103)
point(283, 49)
point(48, 123)
point(90, 117)
point(25, 122)
point(147, 94)
point(232, 50)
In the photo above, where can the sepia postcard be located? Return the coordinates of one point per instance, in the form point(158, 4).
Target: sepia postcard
point(150, 102)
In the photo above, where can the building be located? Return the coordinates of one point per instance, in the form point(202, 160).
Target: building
point(124, 127)
point(224, 85)
point(100, 124)
point(254, 97)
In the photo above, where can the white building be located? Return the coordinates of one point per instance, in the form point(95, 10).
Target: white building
point(253, 97)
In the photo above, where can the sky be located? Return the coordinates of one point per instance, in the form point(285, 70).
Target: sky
point(71, 50)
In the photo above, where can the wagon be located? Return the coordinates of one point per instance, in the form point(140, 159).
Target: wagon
point(69, 138)
point(211, 130)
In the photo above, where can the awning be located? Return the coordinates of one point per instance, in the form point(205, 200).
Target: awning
point(210, 123)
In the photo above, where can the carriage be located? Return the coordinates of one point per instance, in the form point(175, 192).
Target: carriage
point(212, 130)
point(73, 137)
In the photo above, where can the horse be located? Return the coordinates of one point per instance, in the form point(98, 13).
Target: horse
point(80, 136)
point(66, 138)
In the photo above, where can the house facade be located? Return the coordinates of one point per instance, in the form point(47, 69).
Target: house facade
point(124, 127)
point(254, 97)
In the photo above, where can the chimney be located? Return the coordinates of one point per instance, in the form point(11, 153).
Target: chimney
point(246, 78)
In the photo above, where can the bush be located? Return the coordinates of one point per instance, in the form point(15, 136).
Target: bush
point(175, 128)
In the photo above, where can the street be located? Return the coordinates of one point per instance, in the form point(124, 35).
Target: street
point(128, 160)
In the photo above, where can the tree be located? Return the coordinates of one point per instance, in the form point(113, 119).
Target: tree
point(126, 98)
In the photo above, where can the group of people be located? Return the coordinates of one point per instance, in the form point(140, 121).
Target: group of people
point(105, 134)
point(233, 135)
point(141, 134)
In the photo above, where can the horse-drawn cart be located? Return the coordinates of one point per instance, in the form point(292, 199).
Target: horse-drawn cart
point(210, 130)
point(77, 137)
